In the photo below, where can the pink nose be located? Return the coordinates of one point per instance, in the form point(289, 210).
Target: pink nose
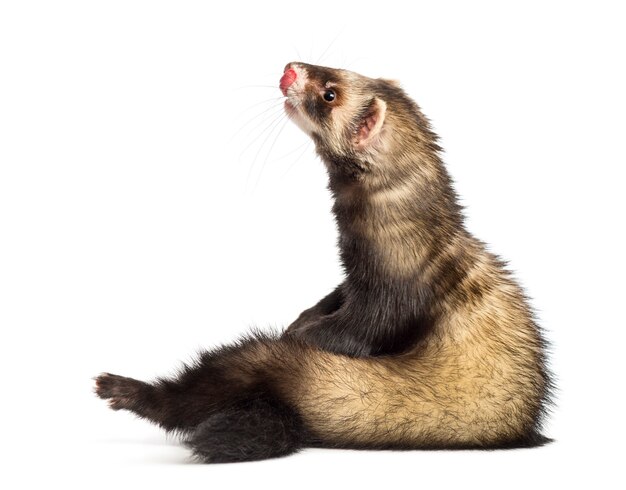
point(287, 80)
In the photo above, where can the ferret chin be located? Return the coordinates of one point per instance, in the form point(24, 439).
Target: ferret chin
point(427, 343)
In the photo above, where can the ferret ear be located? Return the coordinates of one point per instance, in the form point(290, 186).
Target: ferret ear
point(368, 131)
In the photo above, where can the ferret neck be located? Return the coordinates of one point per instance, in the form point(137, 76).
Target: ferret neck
point(394, 228)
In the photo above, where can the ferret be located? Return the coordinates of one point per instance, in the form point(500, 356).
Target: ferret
point(428, 343)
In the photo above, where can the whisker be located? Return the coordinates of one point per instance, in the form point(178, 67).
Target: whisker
point(321, 57)
point(243, 87)
point(267, 122)
point(350, 64)
point(270, 127)
point(273, 111)
point(273, 100)
point(306, 145)
point(291, 152)
point(269, 152)
point(275, 124)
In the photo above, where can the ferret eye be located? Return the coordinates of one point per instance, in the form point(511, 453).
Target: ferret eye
point(329, 95)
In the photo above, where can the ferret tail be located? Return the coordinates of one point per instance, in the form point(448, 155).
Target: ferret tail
point(252, 421)
point(252, 430)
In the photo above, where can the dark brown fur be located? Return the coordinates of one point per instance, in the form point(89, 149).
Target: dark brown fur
point(428, 342)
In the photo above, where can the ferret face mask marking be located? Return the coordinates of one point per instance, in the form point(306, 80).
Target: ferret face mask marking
point(340, 110)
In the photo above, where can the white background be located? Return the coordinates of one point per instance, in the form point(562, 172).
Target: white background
point(145, 213)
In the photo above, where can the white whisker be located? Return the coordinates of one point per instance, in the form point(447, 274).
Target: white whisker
point(321, 57)
point(273, 111)
point(306, 145)
point(270, 127)
point(276, 124)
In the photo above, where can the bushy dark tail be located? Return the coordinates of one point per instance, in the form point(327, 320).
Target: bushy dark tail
point(250, 430)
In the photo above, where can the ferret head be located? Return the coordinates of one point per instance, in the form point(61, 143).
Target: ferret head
point(357, 123)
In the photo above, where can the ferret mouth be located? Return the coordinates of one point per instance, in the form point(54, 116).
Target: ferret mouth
point(292, 110)
point(297, 116)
